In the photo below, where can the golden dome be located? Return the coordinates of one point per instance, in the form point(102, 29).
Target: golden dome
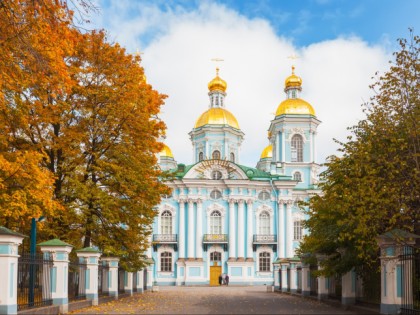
point(217, 116)
point(217, 83)
point(293, 80)
point(295, 106)
point(166, 152)
point(267, 152)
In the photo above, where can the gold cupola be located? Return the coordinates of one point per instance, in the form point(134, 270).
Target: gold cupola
point(166, 152)
point(267, 153)
point(217, 83)
point(217, 116)
point(294, 105)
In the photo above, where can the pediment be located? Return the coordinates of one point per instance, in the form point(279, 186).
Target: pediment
point(207, 168)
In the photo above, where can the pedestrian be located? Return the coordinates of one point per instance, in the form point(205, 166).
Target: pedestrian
point(220, 280)
point(224, 278)
point(227, 279)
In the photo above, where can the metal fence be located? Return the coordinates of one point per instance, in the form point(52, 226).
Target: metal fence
point(299, 279)
point(34, 272)
point(368, 288)
point(77, 280)
point(122, 280)
point(313, 281)
point(408, 273)
point(334, 287)
point(135, 281)
point(103, 279)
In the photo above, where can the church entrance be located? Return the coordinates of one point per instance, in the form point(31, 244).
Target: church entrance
point(215, 268)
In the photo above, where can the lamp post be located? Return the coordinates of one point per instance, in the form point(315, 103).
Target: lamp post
point(32, 251)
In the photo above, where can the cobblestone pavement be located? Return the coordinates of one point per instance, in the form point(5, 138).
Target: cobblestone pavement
point(213, 300)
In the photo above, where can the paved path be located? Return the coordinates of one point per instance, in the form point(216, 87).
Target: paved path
point(213, 300)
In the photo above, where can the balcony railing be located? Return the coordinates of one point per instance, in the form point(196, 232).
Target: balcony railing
point(221, 239)
point(266, 239)
point(165, 239)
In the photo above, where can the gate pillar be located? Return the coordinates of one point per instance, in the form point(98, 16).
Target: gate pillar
point(306, 280)
point(112, 285)
point(92, 258)
point(348, 285)
point(9, 242)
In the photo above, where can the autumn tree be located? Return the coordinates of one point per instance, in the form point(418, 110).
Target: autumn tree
point(374, 186)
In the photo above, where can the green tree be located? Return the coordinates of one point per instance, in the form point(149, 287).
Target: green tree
point(374, 186)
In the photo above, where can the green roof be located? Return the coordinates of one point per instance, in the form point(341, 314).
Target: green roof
point(398, 233)
point(88, 250)
point(54, 242)
point(6, 231)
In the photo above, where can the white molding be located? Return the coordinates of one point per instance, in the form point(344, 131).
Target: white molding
point(165, 248)
point(258, 211)
point(264, 248)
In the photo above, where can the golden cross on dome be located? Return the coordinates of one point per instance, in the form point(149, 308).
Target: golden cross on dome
point(293, 57)
point(217, 60)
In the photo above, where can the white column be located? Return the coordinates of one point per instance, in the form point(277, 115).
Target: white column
point(249, 224)
point(348, 284)
point(289, 231)
point(232, 247)
point(181, 229)
point(199, 230)
point(91, 256)
point(9, 242)
point(112, 263)
point(311, 151)
point(293, 278)
point(284, 267)
point(280, 232)
point(190, 229)
point(241, 222)
point(207, 153)
point(283, 146)
point(314, 144)
point(306, 280)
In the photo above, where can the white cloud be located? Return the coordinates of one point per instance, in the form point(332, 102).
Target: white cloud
point(336, 73)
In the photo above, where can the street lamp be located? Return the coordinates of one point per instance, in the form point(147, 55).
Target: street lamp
point(32, 251)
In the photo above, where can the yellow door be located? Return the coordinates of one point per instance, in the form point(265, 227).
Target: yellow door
point(215, 272)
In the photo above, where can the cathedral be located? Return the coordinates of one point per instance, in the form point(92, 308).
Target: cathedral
point(224, 217)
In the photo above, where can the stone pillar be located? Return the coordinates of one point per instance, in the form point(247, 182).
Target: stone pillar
point(112, 285)
point(280, 232)
point(59, 252)
point(277, 275)
point(283, 146)
point(323, 282)
point(293, 277)
point(9, 242)
point(250, 225)
point(289, 231)
point(348, 285)
point(181, 231)
point(91, 256)
point(232, 232)
point(199, 230)
point(191, 237)
point(284, 265)
point(396, 282)
point(241, 222)
point(140, 281)
point(128, 282)
point(306, 280)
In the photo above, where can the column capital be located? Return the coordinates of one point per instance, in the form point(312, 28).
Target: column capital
point(231, 201)
point(241, 202)
point(250, 202)
point(190, 201)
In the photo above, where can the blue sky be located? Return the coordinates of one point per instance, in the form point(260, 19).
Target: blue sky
point(340, 44)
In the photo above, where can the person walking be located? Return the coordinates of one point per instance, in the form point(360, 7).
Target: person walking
point(224, 278)
point(220, 280)
point(227, 279)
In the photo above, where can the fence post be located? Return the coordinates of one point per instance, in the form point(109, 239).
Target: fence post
point(306, 280)
point(284, 263)
point(128, 282)
point(348, 288)
point(277, 274)
point(92, 256)
point(393, 278)
point(59, 251)
point(293, 275)
point(9, 242)
point(112, 285)
point(140, 280)
point(323, 282)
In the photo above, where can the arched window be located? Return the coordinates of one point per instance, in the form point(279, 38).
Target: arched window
point(264, 228)
point(216, 175)
point(215, 256)
point(215, 222)
point(264, 195)
point(232, 157)
point(200, 156)
point(166, 222)
point(297, 176)
point(297, 148)
point(166, 261)
point(216, 155)
point(264, 261)
point(297, 230)
point(215, 194)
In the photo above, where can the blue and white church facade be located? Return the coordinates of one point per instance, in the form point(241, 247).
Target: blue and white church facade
point(224, 217)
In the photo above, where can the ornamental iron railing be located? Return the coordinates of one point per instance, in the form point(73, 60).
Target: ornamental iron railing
point(266, 239)
point(103, 279)
point(408, 273)
point(77, 279)
point(221, 239)
point(165, 238)
point(122, 280)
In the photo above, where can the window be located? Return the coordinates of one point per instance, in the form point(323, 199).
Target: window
point(166, 222)
point(215, 194)
point(166, 261)
point(297, 176)
point(264, 228)
point(215, 222)
point(216, 155)
point(297, 148)
point(200, 156)
point(297, 230)
point(216, 175)
point(293, 93)
point(265, 261)
point(264, 195)
point(232, 157)
point(216, 256)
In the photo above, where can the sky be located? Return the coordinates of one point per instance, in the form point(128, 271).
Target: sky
point(340, 44)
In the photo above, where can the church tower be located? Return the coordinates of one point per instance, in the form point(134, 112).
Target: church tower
point(216, 133)
point(292, 136)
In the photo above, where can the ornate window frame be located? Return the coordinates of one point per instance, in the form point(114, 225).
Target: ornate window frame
point(258, 212)
point(264, 191)
point(171, 209)
point(257, 253)
point(161, 249)
point(301, 175)
point(216, 207)
point(298, 216)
